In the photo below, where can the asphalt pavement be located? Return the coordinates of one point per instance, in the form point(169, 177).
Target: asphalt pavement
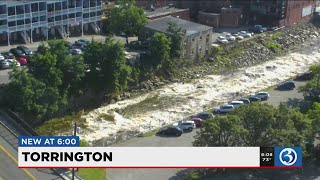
point(276, 97)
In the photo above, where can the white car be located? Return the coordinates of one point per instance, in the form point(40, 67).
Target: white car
point(186, 125)
point(238, 37)
point(76, 51)
point(224, 108)
point(222, 40)
point(229, 37)
point(1, 57)
point(245, 34)
point(262, 95)
point(12, 62)
point(236, 103)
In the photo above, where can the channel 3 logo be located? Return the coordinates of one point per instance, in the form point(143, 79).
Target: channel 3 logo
point(288, 156)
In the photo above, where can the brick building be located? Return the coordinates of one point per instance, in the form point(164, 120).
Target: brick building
point(168, 11)
point(279, 12)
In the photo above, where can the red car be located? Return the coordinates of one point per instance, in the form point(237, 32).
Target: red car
point(197, 121)
point(22, 61)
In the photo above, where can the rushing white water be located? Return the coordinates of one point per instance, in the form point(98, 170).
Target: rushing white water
point(175, 101)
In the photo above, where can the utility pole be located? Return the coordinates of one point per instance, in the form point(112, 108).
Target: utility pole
point(74, 134)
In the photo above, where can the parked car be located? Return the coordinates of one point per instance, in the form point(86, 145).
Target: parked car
point(275, 28)
point(82, 41)
point(224, 108)
point(186, 125)
point(245, 34)
point(197, 121)
point(222, 40)
point(288, 85)
point(236, 103)
point(245, 100)
point(262, 95)
point(238, 37)
point(76, 51)
point(2, 57)
point(4, 64)
point(229, 37)
point(25, 50)
point(304, 76)
point(254, 99)
point(17, 52)
point(203, 115)
point(8, 55)
point(258, 29)
point(176, 131)
point(13, 62)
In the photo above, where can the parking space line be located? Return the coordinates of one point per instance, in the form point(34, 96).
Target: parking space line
point(11, 157)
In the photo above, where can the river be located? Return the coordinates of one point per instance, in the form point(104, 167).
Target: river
point(175, 101)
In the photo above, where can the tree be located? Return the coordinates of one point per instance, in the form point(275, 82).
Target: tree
point(256, 125)
point(160, 49)
point(311, 91)
point(314, 115)
point(127, 18)
point(29, 95)
point(176, 36)
point(220, 131)
point(108, 67)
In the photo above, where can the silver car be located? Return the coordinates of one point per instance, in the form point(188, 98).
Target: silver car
point(4, 64)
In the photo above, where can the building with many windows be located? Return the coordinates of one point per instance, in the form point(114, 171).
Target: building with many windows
point(28, 20)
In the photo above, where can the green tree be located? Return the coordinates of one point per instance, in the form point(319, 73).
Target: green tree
point(176, 35)
point(257, 125)
point(311, 91)
point(127, 17)
point(29, 95)
point(108, 66)
point(160, 49)
point(220, 131)
point(314, 115)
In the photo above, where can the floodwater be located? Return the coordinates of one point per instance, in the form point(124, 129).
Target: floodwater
point(175, 101)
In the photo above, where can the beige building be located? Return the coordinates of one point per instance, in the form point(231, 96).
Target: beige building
point(197, 39)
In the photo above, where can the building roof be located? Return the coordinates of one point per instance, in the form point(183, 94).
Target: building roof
point(161, 25)
point(163, 11)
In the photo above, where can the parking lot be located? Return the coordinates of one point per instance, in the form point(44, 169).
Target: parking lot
point(276, 97)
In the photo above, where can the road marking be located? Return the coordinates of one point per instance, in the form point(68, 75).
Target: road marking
point(11, 157)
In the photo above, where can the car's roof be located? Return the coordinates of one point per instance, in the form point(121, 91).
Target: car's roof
point(236, 102)
point(227, 105)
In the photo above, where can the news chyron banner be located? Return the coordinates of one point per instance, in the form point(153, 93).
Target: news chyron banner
point(65, 152)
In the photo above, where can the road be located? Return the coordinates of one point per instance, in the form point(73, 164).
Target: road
point(276, 97)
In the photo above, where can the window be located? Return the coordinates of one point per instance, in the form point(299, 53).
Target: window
point(11, 23)
point(20, 22)
point(71, 3)
point(200, 48)
point(92, 14)
point(3, 9)
point(72, 15)
point(57, 6)
point(27, 8)
point(42, 6)
point(34, 7)
point(78, 3)
point(35, 19)
point(43, 18)
point(192, 39)
point(192, 52)
point(65, 16)
point(200, 38)
point(11, 11)
point(85, 3)
point(93, 3)
point(3, 22)
point(57, 18)
point(99, 13)
point(27, 21)
point(20, 9)
point(51, 19)
point(50, 7)
point(79, 14)
point(64, 5)
point(207, 38)
point(86, 15)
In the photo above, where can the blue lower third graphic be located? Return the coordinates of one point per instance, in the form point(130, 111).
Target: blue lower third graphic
point(288, 156)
